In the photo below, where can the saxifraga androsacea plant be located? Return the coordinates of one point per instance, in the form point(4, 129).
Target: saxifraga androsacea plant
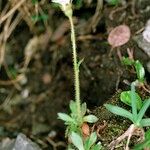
point(135, 116)
point(77, 117)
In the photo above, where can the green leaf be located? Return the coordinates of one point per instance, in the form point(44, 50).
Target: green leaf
point(142, 111)
point(42, 17)
point(90, 119)
point(147, 134)
point(34, 1)
point(127, 61)
point(145, 122)
point(98, 146)
point(79, 63)
point(12, 72)
point(73, 107)
point(65, 117)
point(78, 3)
point(77, 141)
point(83, 109)
point(141, 146)
point(112, 2)
point(119, 111)
point(139, 70)
point(70, 149)
point(126, 98)
point(90, 141)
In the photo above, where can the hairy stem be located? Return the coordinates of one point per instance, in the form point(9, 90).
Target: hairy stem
point(76, 70)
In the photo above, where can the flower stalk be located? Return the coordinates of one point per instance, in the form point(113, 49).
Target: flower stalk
point(76, 69)
point(66, 7)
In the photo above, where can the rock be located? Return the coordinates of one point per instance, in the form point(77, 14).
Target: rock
point(146, 32)
point(143, 44)
point(21, 143)
point(7, 144)
point(143, 41)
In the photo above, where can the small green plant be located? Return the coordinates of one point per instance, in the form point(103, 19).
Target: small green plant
point(131, 98)
point(140, 71)
point(77, 117)
point(125, 97)
point(72, 120)
point(135, 116)
point(140, 81)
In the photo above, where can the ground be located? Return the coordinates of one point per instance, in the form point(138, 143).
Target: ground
point(30, 104)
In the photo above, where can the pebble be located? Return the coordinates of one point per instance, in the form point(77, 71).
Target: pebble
point(21, 143)
point(143, 44)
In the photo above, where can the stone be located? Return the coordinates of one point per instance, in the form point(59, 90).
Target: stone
point(143, 44)
point(21, 143)
point(7, 144)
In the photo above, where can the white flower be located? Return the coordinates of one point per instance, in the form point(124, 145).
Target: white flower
point(66, 6)
point(62, 2)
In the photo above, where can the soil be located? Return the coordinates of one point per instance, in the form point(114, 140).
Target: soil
point(31, 105)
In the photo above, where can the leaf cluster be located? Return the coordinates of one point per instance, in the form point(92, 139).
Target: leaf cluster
point(72, 121)
point(138, 108)
point(73, 130)
point(87, 144)
point(140, 71)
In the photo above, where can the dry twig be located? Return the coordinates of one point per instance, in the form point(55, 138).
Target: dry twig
point(3, 18)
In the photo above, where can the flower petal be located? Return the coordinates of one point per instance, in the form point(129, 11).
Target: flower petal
point(62, 2)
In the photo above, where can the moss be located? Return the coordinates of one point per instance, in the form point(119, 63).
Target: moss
point(116, 125)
